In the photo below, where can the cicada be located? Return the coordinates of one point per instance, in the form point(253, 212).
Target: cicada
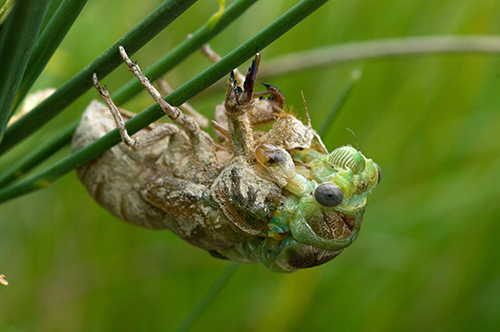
point(275, 197)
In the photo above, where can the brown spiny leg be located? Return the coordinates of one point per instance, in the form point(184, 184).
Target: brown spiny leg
point(238, 101)
point(203, 145)
point(166, 89)
point(319, 145)
point(274, 92)
point(265, 110)
point(220, 126)
point(262, 111)
point(138, 142)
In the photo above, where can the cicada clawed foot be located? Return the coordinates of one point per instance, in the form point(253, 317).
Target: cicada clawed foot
point(238, 99)
point(120, 123)
point(274, 92)
point(243, 111)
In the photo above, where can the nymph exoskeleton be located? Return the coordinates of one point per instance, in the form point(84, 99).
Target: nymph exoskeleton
point(275, 197)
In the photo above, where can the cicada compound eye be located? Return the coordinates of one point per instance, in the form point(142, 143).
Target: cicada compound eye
point(328, 194)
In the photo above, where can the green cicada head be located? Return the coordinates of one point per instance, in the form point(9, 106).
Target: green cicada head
point(329, 217)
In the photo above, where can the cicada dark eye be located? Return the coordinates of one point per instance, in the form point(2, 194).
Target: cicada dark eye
point(379, 172)
point(328, 194)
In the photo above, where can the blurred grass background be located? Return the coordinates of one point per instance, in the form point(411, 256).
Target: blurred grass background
point(428, 254)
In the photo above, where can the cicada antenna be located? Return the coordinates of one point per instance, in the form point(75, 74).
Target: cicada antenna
point(305, 110)
point(355, 139)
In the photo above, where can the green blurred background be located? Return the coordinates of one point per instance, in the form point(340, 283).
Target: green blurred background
point(428, 254)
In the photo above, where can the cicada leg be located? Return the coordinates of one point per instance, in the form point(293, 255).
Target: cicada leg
point(203, 145)
point(157, 133)
point(261, 111)
point(260, 117)
point(238, 101)
point(166, 89)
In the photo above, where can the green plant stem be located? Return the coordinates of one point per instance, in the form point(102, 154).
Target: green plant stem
point(379, 48)
point(103, 65)
point(5, 10)
point(262, 39)
point(16, 43)
point(208, 298)
point(132, 88)
point(184, 49)
point(51, 10)
point(37, 156)
point(376, 49)
point(48, 42)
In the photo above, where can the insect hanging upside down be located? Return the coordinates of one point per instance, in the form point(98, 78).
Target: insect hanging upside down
point(275, 197)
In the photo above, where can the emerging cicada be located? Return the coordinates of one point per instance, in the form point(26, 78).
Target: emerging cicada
point(275, 197)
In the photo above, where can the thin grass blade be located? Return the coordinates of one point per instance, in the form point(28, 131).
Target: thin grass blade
point(208, 298)
point(16, 43)
point(48, 42)
point(109, 60)
point(185, 48)
point(37, 156)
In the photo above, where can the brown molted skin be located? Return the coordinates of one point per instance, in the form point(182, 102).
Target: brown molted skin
point(159, 187)
point(219, 197)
